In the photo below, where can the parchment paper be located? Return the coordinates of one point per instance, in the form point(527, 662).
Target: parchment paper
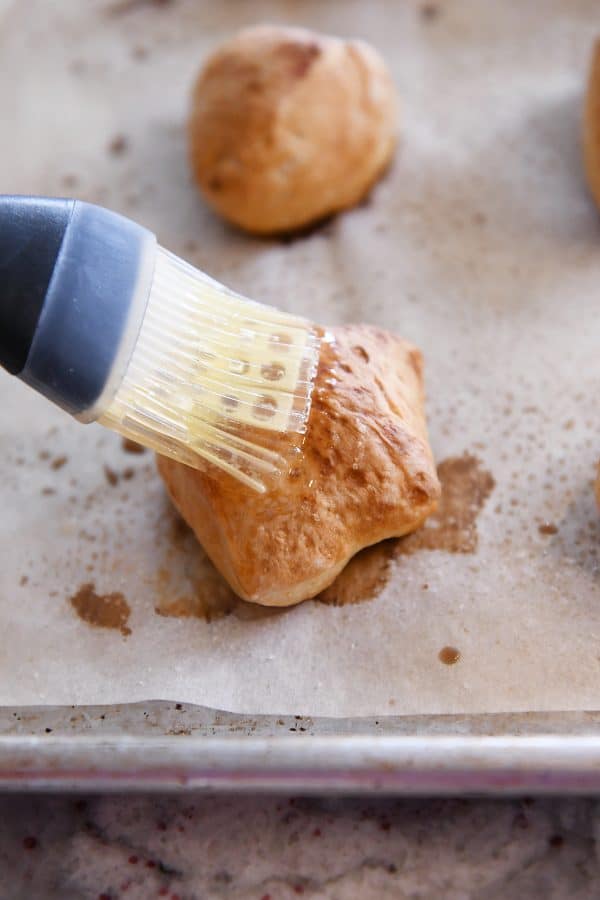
point(481, 246)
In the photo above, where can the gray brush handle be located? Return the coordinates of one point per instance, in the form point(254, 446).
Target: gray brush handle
point(31, 233)
point(71, 333)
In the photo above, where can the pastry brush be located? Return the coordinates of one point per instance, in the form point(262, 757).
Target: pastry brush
point(104, 322)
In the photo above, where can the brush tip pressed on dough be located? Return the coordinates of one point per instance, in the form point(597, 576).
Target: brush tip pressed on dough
point(216, 378)
point(366, 473)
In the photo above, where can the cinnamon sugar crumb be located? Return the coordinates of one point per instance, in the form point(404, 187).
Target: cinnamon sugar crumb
point(103, 610)
point(130, 446)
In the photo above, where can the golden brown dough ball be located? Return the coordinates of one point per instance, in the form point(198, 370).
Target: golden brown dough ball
point(352, 487)
point(288, 126)
point(591, 126)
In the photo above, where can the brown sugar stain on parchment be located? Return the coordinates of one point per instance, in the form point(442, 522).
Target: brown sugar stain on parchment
point(363, 578)
point(210, 599)
point(102, 610)
point(207, 595)
point(466, 485)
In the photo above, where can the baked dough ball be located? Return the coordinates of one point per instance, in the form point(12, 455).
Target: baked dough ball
point(288, 126)
point(591, 126)
point(366, 474)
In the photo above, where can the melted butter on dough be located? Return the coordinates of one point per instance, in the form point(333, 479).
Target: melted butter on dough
point(366, 474)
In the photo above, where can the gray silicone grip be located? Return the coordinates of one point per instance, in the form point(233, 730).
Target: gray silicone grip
point(93, 311)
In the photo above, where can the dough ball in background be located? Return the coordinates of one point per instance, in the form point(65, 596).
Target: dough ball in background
point(597, 485)
point(591, 126)
point(288, 126)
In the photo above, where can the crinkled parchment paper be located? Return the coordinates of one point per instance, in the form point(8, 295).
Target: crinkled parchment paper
point(480, 245)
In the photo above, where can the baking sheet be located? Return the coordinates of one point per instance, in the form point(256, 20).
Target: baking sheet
point(481, 246)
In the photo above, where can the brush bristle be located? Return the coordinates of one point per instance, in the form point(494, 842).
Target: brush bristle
point(215, 377)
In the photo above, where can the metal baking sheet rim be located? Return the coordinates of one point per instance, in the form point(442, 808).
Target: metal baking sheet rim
point(81, 749)
point(543, 761)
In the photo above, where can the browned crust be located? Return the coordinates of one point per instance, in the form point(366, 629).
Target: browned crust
point(288, 127)
point(366, 474)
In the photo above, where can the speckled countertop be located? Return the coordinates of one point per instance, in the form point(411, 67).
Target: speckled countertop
point(275, 848)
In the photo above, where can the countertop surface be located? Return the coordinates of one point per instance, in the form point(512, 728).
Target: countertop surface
point(199, 847)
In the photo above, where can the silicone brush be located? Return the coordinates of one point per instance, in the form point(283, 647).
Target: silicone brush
point(104, 322)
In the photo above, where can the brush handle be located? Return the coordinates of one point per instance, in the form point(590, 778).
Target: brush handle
point(31, 232)
point(74, 283)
